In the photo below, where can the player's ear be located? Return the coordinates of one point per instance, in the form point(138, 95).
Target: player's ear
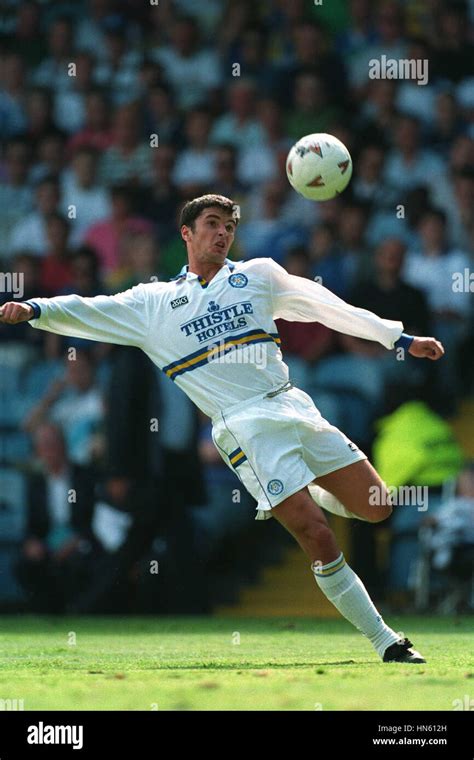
point(185, 232)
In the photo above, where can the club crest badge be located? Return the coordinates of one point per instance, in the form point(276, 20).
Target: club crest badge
point(238, 280)
point(275, 487)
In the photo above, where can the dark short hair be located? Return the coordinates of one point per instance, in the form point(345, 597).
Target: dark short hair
point(192, 209)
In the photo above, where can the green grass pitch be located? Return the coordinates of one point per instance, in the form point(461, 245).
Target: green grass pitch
point(206, 663)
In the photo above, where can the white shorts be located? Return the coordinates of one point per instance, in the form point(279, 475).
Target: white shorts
point(278, 445)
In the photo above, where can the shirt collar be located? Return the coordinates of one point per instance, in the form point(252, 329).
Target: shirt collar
point(192, 276)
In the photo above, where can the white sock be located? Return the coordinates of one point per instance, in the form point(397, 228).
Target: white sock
point(346, 591)
point(329, 502)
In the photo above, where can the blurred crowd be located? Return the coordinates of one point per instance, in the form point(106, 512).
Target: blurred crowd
point(112, 114)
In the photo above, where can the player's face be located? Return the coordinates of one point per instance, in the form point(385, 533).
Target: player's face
point(212, 236)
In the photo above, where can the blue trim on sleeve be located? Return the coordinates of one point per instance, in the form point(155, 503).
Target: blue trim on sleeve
point(404, 341)
point(36, 309)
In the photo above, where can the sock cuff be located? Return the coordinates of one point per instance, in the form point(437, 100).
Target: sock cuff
point(324, 571)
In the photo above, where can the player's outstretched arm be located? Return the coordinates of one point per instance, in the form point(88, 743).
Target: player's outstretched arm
point(301, 300)
point(122, 318)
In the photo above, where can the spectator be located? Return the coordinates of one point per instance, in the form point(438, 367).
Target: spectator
point(96, 132)
point(90, 30)
point(310, 110)
point(161, 115)
point(107, 237)
point(433, 269)
point(191, 70)
point(226, 180)
point(352, 242)
point(456, 198)
point(368, 184)
point(56, 554)
point(82, 194)
point(50, 156)
point(447, 123)
point(250, 50)
point(463, 221)
point(141, 257)
point(39, 114)
point(452, 540)
point(416, 96)
point(84, 280)
point(128, 159)
point(160, 202)
point(454, 50)
point(360, 33)
point(378, 113)
point(389, 29)
point(85, 274)
point(262, 163)
point(150, 75)
point(196, 163)
point(69, 106)
point(12, 96)
point(56, 271)
point(28, 38)
point(16, 198)
point(118, 72)
point(30, 233)
point(311, 52)
point(53, 72)
point(408, 165)
point(75, 404)
point(239, 125)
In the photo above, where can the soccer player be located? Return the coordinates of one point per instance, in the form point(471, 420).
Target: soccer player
point(211, 330)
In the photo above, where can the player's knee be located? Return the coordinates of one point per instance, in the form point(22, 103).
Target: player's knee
point(379, 514)
point(381, 507)
point(316, 533)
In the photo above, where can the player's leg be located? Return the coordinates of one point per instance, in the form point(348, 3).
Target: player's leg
point(353, 491)
point(338, 582)
point(307, 524)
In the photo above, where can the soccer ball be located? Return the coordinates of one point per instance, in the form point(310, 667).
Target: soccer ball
point(319, 167)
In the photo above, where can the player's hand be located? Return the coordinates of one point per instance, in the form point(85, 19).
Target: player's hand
point(13, 312)
point(426, 348)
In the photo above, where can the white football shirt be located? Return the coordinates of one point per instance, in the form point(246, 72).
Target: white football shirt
point(189, 327)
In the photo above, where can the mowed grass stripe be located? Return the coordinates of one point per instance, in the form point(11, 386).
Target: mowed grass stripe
point(189, 663)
